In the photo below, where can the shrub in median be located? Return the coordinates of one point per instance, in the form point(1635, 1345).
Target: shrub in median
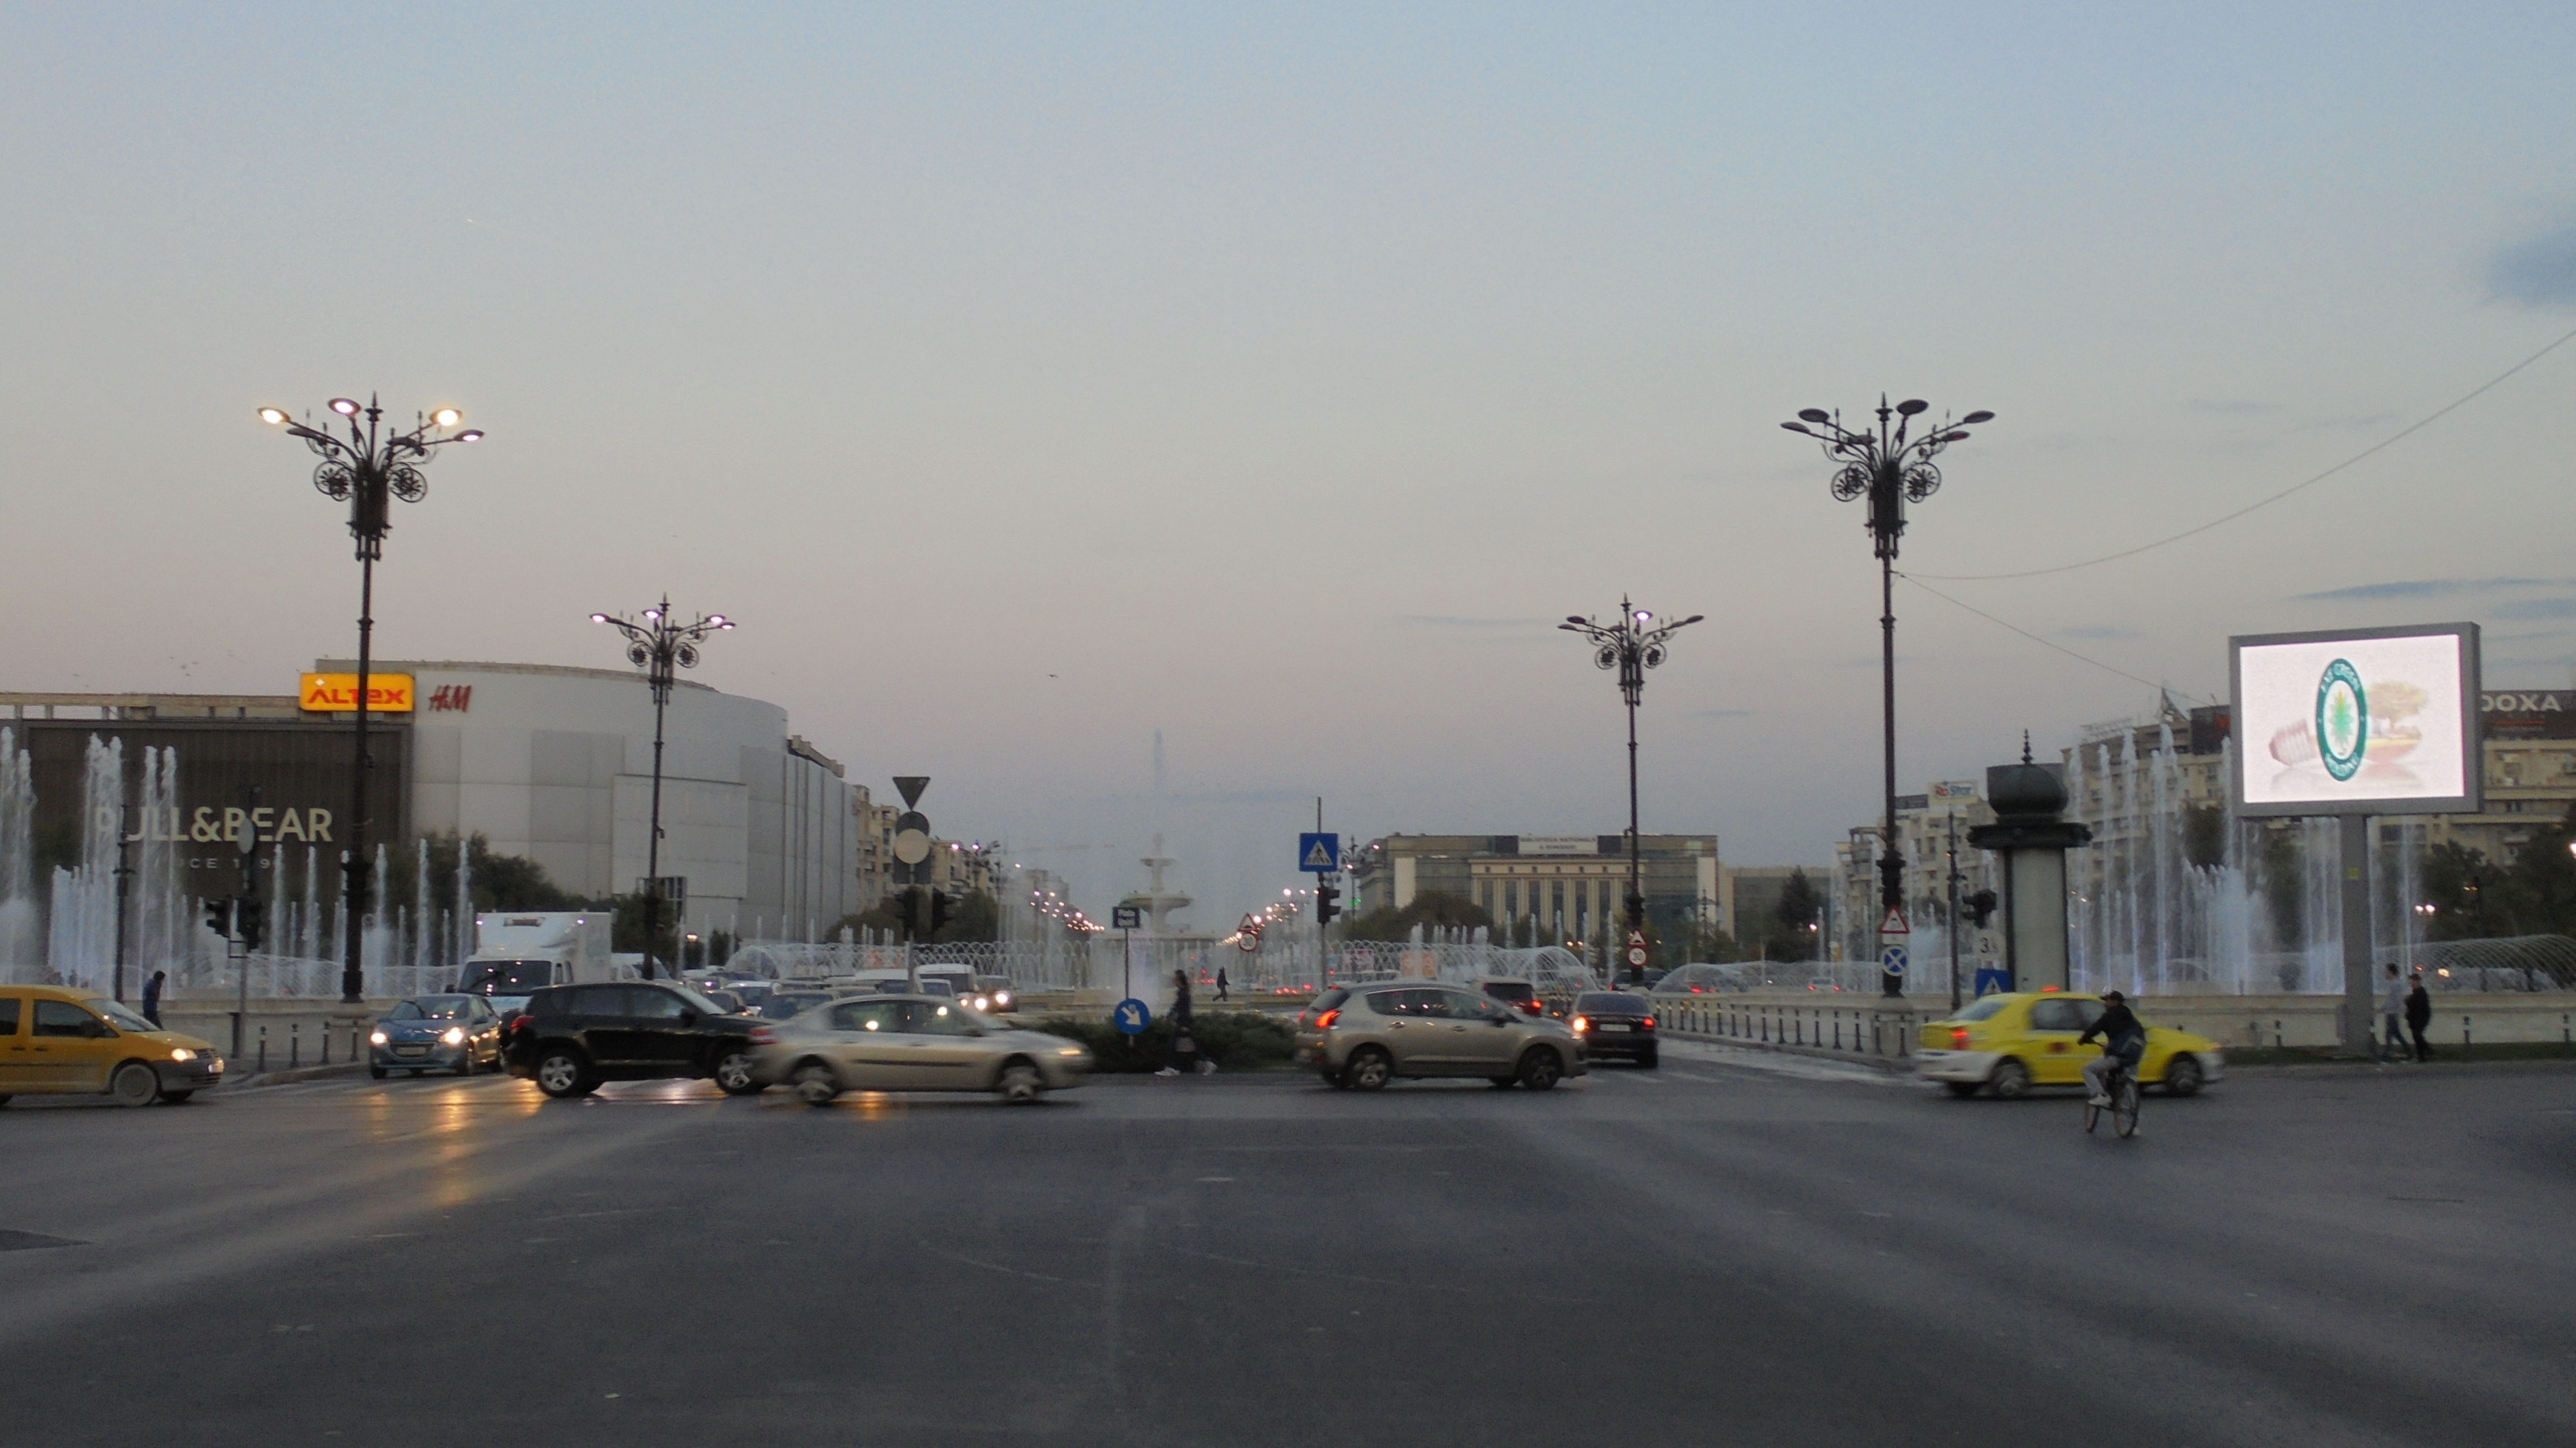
point(1235, 1040)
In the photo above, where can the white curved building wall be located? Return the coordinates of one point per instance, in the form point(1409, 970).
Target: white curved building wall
point(556, 763)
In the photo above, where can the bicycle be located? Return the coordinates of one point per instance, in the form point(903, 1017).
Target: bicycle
point(2123, 1091)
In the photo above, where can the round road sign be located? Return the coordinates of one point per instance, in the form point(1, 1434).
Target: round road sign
point(1131, 1017)
point(1636, 955)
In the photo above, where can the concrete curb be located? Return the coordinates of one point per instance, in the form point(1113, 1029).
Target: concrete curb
point(289, 1077)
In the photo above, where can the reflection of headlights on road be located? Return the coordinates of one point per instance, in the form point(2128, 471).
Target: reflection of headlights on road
point(455, 1036)
point(375, 1038)
point(182, 1053)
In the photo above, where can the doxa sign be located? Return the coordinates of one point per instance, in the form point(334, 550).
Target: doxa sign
point(338, 693)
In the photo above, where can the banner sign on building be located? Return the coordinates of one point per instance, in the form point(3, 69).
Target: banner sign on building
point(1560, 844)
point(338, 693)
point(2527, 714)
point(1952, 790)
point(2366, 721)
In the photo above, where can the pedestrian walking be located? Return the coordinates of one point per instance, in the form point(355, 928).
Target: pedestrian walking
point(152, 996)
point(2392, 1010)
point(1185, 1047)
point(2419, 1014)
point(1220, 982)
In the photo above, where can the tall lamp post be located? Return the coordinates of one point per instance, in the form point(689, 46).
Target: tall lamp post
point(1891, 471)
point(660, 648)
point(367, 470)
point(1632, 645)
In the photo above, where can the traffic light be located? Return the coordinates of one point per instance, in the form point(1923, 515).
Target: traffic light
point(252, 921)
point(908, 905)
point(1981, 907)
point(1325, 895)
point(219, 915)
point(940, 908)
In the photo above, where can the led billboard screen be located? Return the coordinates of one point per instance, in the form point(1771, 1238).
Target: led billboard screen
point(2360, 721)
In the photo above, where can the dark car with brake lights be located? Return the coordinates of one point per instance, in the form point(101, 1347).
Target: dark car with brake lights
point(1616, 1026)
point(573, 1037)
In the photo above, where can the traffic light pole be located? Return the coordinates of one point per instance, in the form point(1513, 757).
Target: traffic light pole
point(1953, 928)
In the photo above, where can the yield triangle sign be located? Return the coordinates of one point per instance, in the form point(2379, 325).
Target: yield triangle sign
point(1250, 926)
point(1319, 858)
point(911, 785)
point(1894, 924)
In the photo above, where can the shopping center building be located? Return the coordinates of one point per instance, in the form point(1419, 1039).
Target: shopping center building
point(765, 832)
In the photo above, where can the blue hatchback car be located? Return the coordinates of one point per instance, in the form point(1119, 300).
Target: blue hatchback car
point(459, 1033)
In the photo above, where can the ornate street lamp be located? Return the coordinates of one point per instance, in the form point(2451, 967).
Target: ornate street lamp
point(1632, 645)
point(1890, 471)
point(660, 648)
point(367, 470)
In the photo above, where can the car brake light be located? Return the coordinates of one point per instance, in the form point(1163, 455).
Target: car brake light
point(763, 1036)
point(1325, 1021)
point(1581, 1024)
point(1958, 1038)
point(1646, 1024)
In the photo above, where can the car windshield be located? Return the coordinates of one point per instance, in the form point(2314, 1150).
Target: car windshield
point(781, 1006)
point(508, 977)
point(699, 1002)
point(1608, 1003)
point(118, 1016)
point(432, 1008)
point(1983, 1010)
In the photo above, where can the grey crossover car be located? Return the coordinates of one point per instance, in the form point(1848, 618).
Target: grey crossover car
point(1362, 1037)
point(912, 1043)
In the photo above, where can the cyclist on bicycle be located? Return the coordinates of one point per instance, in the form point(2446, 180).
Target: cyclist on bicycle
point(2124, 1041)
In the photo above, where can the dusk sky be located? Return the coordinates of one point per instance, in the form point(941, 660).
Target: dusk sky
point(1028, 379)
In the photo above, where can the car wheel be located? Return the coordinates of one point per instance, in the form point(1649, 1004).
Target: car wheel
point(1370, 1069)
point(465, 1063)
point(815, 1084)
point(562, 1073)
point(2011, 1079)
point(1960, 1089)
point(2182, 1076)
point(175, 1098)
point(1504, 1083)
point(1540, 1069)
point(134, 1084)
point(376, 1071)
point(4, 1100)
point(1021, 1084)
point(736, 1074)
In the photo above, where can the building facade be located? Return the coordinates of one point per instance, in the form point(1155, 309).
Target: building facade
point(1552, 887)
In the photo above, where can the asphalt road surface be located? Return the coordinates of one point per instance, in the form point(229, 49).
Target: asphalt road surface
point(1712, 1253)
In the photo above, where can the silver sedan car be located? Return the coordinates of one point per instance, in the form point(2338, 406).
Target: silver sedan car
point(912, 1043)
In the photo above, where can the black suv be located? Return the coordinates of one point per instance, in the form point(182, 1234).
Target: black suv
point(572, 1037)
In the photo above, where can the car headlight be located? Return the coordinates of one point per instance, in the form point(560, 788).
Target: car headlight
point(182, 1053)
point(1073, 1051)
point(1003, 999)
point(375, 1038)
point(455, 1036)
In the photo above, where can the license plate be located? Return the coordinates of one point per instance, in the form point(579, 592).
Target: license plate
point(411, 1050)
point(1621, 1029)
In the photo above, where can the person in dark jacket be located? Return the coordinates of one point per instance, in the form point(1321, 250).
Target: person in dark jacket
point(1185, 1050)
point(2124, 1040)
point(2419, 1014)
point(152, 996)
point(1220, 982)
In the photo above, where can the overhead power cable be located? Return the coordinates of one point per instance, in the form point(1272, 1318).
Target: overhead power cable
point(2383, 444)
point(2034, 638)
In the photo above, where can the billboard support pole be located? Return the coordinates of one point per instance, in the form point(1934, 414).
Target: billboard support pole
point(2353, 1020)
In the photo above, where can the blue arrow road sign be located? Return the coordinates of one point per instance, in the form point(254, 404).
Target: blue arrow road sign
point(1131, 1017)
point(1319, 854)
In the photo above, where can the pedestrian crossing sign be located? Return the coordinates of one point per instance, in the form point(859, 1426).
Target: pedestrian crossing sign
point(1319, 854)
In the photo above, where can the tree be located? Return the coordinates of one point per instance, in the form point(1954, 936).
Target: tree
point(500, 882)
point(2285, 892)
point(972, 917)
point(1431, 909)
point(1791, 916)
point(626, 928)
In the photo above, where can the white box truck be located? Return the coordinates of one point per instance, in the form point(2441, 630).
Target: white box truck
point(515, 954)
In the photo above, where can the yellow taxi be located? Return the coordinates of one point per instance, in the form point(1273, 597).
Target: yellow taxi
point(2008, 1043)
point(56, 1040)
